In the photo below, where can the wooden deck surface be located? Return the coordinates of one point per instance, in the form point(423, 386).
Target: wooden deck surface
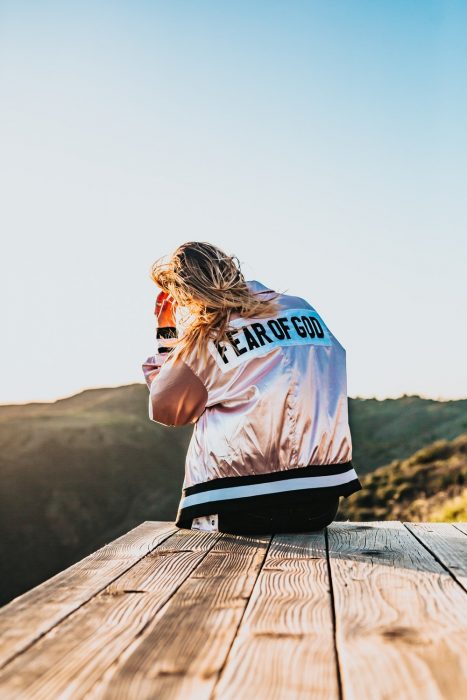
point(358, 611)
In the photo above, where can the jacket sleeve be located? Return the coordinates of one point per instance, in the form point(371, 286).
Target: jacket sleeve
point(176, 394)
point(153, 363)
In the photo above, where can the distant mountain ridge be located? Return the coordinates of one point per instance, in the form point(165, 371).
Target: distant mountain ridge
point(382, 430)
point(396, 428)
point(78, 472)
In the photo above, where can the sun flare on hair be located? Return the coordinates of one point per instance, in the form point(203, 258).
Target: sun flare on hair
point(209, 286)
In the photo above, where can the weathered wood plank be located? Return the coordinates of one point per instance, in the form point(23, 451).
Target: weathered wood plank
point(447, 543)
point(73, 656)
point(32, 614)
point(183, 649)
point(285, 644)
point(401, 620)
point(462, 527)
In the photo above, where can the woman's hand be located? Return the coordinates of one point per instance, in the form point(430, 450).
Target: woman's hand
point(165, 310)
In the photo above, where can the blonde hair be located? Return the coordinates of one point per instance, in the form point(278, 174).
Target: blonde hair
point(210, 286)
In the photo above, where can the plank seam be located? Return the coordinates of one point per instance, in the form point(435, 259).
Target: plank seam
point(458, 528)
point(78, 607)
point(159, 613)
point(221, 670)
point(425, 546)
point(334, 619)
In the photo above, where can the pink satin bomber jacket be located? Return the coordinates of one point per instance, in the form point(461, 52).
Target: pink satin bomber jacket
point(269, 408)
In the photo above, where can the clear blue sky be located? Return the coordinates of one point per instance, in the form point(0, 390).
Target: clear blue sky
point(324, 143)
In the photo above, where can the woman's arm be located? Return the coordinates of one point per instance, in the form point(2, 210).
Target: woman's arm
point(176, 395)
point(153, 363)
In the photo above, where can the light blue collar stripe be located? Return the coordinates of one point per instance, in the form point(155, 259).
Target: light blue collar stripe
point(294, 484)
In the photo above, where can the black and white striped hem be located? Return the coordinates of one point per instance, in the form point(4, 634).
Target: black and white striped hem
point(284, 487)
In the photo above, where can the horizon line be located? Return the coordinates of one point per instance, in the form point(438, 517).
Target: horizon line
point(358, 397)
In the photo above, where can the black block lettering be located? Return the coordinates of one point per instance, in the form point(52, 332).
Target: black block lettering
point(276, 329)
point(285, 326)
point(308, 326)
point(261, 333)
point(222, 350)
point(250, 339)
point(318, 327)
point(235, 342)
point(298, 327)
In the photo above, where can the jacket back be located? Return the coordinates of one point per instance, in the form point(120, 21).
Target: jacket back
point(270, 412)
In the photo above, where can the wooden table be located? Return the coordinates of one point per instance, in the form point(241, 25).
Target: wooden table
point(362, 610)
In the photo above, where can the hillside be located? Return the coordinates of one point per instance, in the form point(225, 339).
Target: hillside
point(430, 485)
point(80, 471)
point(77, 473)
point(395, 428)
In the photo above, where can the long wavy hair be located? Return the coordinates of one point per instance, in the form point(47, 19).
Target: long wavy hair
point(209, 286)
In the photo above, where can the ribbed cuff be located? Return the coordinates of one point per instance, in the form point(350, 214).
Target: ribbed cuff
point(165, 332)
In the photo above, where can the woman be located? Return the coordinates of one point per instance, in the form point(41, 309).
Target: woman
point(264, 381)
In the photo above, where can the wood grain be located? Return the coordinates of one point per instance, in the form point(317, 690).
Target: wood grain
point(401, 620)
point(285, 645)
point(169, 613)
point(447, 544)
point(71, 658)
point(182, 651)
point(32, 614)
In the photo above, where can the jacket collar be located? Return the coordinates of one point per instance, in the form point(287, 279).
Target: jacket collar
point(256, 286)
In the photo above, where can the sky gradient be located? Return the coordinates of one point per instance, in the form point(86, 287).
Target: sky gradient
point(323, 143)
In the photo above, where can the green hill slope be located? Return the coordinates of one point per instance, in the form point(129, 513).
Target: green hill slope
point(77, 473)
point(430, 485)
point(395, 428)
point(82, 470)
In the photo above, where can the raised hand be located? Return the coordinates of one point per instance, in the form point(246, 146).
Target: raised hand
point(165, 310)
